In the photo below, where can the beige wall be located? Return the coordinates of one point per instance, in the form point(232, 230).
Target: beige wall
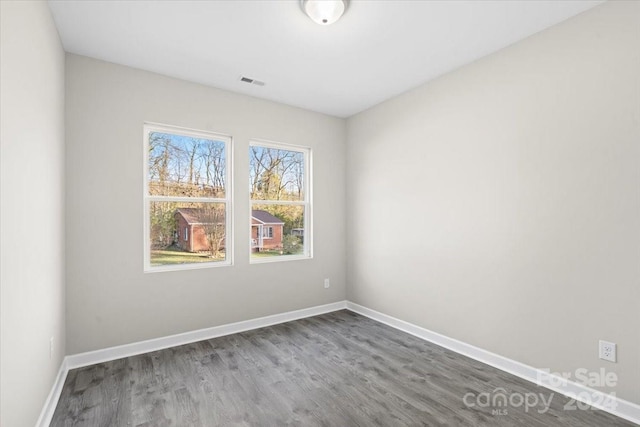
point(32, 209)
point(513, 188)
point(511, 185)
point(110, 300)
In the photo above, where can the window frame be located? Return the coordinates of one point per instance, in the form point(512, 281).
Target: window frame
point(307, 202)
point(149, 127)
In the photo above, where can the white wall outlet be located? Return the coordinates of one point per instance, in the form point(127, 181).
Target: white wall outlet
point(607, 351)
point(51, 348)
point(327, 283)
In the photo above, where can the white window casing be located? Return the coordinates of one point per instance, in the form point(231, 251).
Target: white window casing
point(227, 200)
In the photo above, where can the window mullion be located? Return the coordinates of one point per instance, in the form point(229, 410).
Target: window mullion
point(279, 202)
point(186, 199)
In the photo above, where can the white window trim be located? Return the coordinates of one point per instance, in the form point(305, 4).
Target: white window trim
point(227, 200)
point(307, 203)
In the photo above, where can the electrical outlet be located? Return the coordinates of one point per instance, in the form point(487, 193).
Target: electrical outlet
point(607, 351)
point(327, 283)
point(51, 348)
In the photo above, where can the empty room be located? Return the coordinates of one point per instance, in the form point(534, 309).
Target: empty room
point(319, 213)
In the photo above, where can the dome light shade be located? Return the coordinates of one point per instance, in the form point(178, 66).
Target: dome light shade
point(324, 12)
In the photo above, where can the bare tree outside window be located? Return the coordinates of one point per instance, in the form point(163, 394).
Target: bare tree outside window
point(213, 220)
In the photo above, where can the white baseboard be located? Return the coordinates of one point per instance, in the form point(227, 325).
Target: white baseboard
point(614, 405)
point(54, 395)
point(126, 350)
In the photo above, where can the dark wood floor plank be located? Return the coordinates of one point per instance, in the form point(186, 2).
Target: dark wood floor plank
point(338, 369)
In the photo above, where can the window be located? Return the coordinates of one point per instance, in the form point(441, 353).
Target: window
point(187, 187)
point(267, 232)
point(280, 191)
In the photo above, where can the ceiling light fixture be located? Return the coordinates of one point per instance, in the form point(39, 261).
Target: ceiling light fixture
point(324, 12)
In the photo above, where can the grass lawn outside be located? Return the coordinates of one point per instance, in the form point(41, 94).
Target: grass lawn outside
point(172, 256)
point(266, 253)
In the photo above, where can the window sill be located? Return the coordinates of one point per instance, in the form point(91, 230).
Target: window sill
point(183, 267)
point(281, 258)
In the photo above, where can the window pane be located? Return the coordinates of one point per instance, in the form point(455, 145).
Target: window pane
point(185, 166)
point(277, 230)
point(276, 174)
point(186, 233)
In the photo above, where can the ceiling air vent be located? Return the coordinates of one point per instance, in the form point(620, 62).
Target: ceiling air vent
point(251, 81)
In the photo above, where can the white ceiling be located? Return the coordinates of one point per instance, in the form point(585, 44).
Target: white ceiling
point(377, 50)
